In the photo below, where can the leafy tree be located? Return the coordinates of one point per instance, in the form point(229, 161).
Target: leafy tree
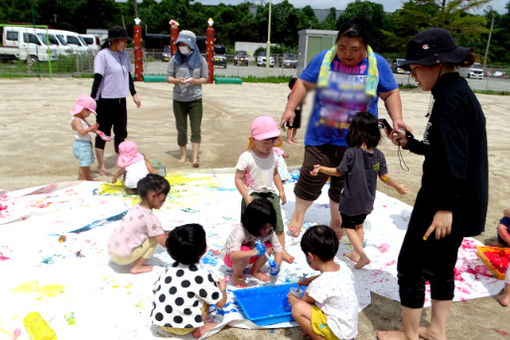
point(330, 22)
point(499, 50)
point(307, 19)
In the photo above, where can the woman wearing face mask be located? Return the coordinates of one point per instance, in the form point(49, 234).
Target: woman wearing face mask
point(187, 70)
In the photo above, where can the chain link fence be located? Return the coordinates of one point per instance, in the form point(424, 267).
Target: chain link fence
point(155, 62)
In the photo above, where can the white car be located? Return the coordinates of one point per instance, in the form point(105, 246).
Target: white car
point(475, 71)
point(261, 59)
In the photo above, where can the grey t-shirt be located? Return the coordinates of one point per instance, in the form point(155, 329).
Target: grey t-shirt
point(186, 93)
point(360, 169)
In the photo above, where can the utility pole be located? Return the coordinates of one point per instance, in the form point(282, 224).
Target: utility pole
point(268, 45)
point(135, 7)
point(488, 42)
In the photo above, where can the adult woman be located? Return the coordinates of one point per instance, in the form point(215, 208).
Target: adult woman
point(347, 79)
point(452, 201)
point(187, 70)
point(112, 84)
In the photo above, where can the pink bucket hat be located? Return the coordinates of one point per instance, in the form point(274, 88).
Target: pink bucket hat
point(83, 102)
point(264, 127)
point(128, 154)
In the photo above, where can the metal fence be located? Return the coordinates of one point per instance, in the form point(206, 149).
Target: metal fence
point(155, 63)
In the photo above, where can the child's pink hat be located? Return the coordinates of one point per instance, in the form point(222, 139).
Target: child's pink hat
point(83, 102)
point(264, 127)
point(128, 154)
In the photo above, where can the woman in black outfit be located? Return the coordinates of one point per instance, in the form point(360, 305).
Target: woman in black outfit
point(452, 201)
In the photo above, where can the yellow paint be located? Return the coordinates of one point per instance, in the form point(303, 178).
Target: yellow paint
point(115, 286)
point(49, 290)
point(37, 328)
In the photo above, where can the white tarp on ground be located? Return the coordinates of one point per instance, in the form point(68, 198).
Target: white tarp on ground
point(39, 273)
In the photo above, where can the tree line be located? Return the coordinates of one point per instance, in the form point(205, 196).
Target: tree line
point(248, 21)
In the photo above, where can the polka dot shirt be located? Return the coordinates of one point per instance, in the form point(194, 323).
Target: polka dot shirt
point(179, 295)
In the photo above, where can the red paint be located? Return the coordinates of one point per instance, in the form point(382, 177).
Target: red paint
point(500, 331)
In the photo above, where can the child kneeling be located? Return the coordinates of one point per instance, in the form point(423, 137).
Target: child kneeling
point(183, 293)
point(329, 307)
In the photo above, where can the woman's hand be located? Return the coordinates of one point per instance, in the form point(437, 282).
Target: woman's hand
point(398, 138)
point(441, 225)
point(137, 101)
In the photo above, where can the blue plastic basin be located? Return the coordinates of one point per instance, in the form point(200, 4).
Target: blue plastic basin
point(266, 305)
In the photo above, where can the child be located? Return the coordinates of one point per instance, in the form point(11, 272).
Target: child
point(296, 124)
point(504, 297)
point(283, 171)
point(361, 164)
point(257, 223)
point(257, 172)
point(329, 307)
point(138, 234)
point(183, 293)
point(133, 165)
point(504, 229)
point(82, 147)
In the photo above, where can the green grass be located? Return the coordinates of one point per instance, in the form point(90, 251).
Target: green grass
point(499, 93)
point(272, 79)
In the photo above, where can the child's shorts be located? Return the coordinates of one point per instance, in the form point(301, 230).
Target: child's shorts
point(275, 201)
point(506, 222)
point(82, 150)
point(350, 222)
point(228, 261)
point(320, 324)
point(183, 331)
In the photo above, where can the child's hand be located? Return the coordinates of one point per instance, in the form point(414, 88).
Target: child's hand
point(94, 127)
point(315, 170)
point(114, 180)
point(402, 189)
point(292, 299)
point(261, 247)
point(304, 281)
point(283, 198)
point(221, 284)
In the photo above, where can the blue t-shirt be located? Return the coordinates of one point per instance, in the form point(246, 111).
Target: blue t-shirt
point(345, 96)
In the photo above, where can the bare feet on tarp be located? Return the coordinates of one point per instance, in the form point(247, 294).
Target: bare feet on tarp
point(239, 282)
point(261, 276)
point(200, 331)
point(504, 299)
point(429, 333)
point(353, 256)
point(294, 229)
point(391, 335)
point(363, 261)
point(287, 257)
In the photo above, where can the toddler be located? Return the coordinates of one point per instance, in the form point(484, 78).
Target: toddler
point(133, 165)
point(296, 124)
point(329, 307)
point(257, 173)
point(183, 293)
point(361, 164)
point(257, 223)
point(504, 229)
point(135, 239)
point(82, 147)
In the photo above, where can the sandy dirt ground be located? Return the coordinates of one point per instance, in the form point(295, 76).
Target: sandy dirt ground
point(36, 149)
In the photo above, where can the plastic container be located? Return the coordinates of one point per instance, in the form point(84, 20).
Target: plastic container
point(266, 305)
point(37, 328)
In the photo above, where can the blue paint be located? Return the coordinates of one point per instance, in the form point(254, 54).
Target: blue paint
point(48, 260)
point(223, 189)
point(190, 210)
point(100, 222)
point(209, 258)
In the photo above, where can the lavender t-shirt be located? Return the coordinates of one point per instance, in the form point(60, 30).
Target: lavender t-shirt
point(115, 68)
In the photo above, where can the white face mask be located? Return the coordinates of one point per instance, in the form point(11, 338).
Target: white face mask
point(185, 50)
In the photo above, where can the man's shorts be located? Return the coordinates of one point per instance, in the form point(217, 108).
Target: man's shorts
point(82, 150)
point(320, 324)
point(350, 222)
point(309, 187)
point(275, 201)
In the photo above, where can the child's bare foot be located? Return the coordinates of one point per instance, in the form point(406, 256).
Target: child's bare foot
point(199, 331)
point(239, 282)
point(504, 299)
point(294, 229)
point(391, 335)
point(353, 256)
point(92, 178)
point(295, 140)
point(363, 261)
point(104, 172)
point(140, 269)
point(182, 160)
point(292, 141)
point(429, 333)
point(261, 276)
point(287, 257)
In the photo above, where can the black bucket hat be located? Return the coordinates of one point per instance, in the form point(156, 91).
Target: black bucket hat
point(434, 46)
point(116, 33)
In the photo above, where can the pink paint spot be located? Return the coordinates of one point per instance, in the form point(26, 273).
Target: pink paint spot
point(500, 331)
point(390, 263)
point(384, 247)
point(3, 258)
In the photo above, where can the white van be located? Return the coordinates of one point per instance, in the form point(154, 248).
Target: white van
point(70, 39)
point(26, 43)
point(92, 42)
point(54, 43)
